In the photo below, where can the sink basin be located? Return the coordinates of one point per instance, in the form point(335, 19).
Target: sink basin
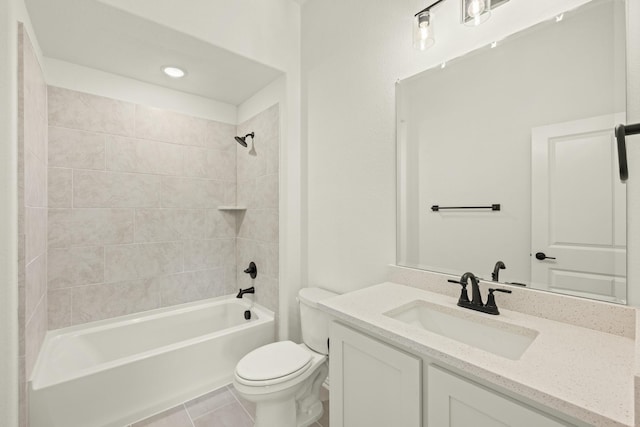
point(474, 329)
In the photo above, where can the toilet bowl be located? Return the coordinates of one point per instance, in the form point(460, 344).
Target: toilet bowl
point(283, 378)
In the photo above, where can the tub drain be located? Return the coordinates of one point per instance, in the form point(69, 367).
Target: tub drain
point(247, 314)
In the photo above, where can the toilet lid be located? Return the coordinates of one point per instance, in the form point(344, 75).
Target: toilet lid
point(273, 361)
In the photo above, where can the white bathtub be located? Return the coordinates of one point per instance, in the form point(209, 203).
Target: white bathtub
point(114, 372)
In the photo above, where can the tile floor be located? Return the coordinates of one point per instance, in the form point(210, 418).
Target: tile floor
point(220, 408)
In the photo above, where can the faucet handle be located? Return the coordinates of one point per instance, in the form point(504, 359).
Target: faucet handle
point(491, 300)
point(464, 297)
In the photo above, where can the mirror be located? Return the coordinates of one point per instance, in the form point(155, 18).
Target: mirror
point(507, 155)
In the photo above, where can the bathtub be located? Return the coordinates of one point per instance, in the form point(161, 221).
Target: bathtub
point(114, 372)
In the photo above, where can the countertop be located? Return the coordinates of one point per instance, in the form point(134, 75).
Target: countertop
point(586, 374)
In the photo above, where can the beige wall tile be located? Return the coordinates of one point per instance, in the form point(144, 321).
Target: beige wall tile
point(211, 164)
point(208, 254)
point(142, 156)
point(35, 283)
point(260, 224)
point(267, 192)
point(101, 226)
point(75, 266)
point(273, 259)
point(71, 148)
point(248, 251)
point(251, 164)
point(36, 233)
point(94, 189)
point(219, 224)
point(220, 136)
point(60, 188)
point(128, 262)
point(35, 104)
point(191, 286)
point(35, 330)
point(191, 193)
point(247, 193)
point(78, 110)
point(267, 292)
point(167, 126)
point(96, 302)
point(32, 214)
point(22, 393)
point(35, 181)
point(59, 302)
point(59, 228)
point(156, 225)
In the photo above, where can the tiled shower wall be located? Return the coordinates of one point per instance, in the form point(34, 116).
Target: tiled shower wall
point(133, 208)
point(32, 211)
point(258, 191)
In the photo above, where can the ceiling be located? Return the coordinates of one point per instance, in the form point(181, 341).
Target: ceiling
point(96, 35)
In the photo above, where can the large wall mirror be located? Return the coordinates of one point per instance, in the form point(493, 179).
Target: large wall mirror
point(527, 124)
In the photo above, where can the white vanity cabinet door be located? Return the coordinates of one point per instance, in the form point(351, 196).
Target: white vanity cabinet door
point(372, 384)
point(457, 402)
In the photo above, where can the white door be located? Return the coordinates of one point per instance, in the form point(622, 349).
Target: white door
point(578, 212)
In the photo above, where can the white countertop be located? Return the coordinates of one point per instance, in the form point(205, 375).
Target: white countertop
point(586, 374)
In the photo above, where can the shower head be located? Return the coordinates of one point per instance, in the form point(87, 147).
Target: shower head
point(242, 140)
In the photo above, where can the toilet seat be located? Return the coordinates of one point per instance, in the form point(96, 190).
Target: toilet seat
point(273, 364)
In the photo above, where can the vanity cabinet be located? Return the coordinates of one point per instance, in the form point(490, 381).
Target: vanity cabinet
point(375, 384)
point(372, 384)
point(454, 401)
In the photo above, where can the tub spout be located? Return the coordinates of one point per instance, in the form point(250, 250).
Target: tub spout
point(241, 292)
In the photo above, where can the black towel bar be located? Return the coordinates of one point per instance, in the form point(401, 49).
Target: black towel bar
point(436, 208)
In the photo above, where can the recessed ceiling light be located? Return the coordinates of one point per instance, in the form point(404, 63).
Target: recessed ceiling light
point(174, 72)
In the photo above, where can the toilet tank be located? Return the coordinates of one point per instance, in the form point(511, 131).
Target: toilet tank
point(314, 322)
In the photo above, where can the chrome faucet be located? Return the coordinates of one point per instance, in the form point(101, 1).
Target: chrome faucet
point(476, 299)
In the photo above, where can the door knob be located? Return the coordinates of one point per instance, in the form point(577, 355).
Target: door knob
point(541, 256)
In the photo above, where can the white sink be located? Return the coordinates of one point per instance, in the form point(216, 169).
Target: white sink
point(475, 329)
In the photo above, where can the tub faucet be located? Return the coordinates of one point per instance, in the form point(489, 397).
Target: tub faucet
point(241, 292)
point(496, 270)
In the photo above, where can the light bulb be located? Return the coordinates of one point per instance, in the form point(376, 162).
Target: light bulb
point(477, 11)
point(174, 72)
point(423, 31)
point(475, 8)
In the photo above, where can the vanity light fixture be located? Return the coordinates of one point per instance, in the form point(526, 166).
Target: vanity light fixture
point(174, 72)
point(474, 12)
point(423, 29)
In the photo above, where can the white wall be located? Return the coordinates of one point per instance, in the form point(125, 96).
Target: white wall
point(89, 80)
point(353, 52)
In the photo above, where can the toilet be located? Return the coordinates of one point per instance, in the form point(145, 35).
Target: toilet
point(283, 378)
